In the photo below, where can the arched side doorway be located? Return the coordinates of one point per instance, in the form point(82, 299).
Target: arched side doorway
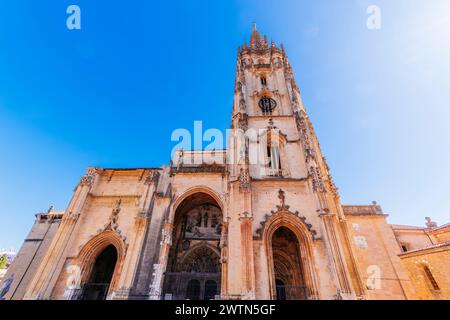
point(194, 269)
point(100, 260)
point(289, 249)
point(289, 280)
point(101, 275)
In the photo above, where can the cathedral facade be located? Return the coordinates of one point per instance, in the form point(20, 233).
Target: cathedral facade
point(228, 225)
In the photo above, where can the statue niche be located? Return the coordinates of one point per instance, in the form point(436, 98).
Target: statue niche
point(203, 223)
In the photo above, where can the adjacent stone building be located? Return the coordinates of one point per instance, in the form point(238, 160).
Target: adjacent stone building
point(260, 220)
point(31, 253)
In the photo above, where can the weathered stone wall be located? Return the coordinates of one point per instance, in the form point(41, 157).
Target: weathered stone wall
point(125, 191)
point(377, 254)
point(413, 237)
point(442, 234)
point(437, 259)
point(31, 253)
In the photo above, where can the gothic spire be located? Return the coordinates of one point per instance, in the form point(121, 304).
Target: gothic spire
point(256, 41)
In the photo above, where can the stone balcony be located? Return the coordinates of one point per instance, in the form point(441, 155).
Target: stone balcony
point(208, 161)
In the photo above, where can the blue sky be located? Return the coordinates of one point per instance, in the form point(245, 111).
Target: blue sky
point(111, 94)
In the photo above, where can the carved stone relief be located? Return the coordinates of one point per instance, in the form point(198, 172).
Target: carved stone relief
point(203, 223)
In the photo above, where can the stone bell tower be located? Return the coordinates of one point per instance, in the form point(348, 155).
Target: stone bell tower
point(285, 214)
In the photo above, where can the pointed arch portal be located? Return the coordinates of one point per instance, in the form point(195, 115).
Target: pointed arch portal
point(290, 256)
point(194, 266)
point(100, 260)
point(289, 280)
point(101, 275)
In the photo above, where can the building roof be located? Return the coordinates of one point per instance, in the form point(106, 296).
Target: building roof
point(373, 210)
point(422, 250)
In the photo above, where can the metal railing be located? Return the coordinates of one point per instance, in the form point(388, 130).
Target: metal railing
point(276, 172)
point(199, 157)
point(291, 293)
point(94, 291)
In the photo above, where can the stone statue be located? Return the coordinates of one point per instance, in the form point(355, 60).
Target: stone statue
point(429, 223)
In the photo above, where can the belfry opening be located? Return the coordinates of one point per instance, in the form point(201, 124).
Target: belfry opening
point(194, 265)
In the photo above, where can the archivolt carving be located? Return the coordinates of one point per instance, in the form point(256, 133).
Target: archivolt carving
point(89, 177)
point(94, 247)
point(317, 180)
point(305, 136)
point(305, 236)
point(152, 177)
point(201, 260)
point(285, 267)
point(244, 180)
point(112, 224)
point(284, 208)
point(198, 189)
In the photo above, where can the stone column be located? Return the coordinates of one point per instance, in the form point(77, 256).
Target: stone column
point(158, 269)
point(131, 259)
point(224, 257)
point(358, 285)
point(246, 220)
point(337, 259)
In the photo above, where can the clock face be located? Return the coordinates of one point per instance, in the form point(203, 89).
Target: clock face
point(267, 104)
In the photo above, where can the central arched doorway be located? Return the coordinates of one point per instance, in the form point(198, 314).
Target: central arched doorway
point(194, 268)
point(287, 266)
point(101, 275)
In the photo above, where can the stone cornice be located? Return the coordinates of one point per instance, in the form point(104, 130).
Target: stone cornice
point(281, 179)
point(438, 230)
point(130, 169)
point(122, 196)
point(216, 169)
point(373, 209)
point(271, 116)
point(445, 246)
point(373, 215)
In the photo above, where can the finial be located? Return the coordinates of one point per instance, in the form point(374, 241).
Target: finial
point(430, 223)
point(281, 197)
point(117, 208)
point(256, 41)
